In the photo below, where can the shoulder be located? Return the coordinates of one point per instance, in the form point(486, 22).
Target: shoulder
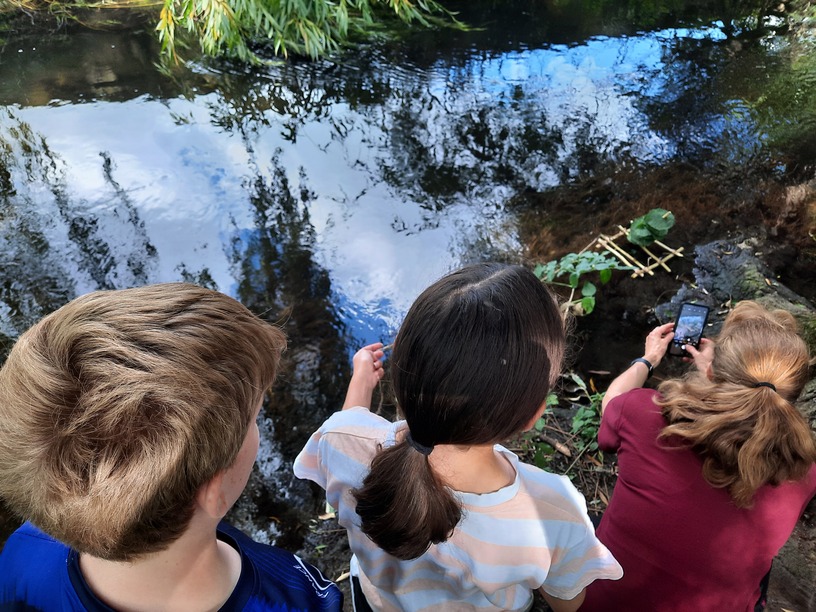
point(576, 556)
point(810, 480)
point(356, 434)
point(357, 421)
point(635, 399)
point(553, 494)
point(32, 568)
point(638, 405)
point(279, 579)
point(30, 545)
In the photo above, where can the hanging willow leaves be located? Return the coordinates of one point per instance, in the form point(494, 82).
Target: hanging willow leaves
point(312, 28)
point(253, 30)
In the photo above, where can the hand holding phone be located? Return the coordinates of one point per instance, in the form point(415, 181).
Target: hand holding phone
point(688, 329)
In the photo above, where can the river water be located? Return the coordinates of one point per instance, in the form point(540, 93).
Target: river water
point(326, 195)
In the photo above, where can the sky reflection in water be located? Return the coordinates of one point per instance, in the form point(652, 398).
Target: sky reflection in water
point(380, 235)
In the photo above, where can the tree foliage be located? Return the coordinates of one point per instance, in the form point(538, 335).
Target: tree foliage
point(249, 29)
point(302, 27)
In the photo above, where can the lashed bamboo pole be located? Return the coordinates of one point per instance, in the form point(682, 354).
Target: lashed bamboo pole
point(675, 252)
point(625, 257)
point(659, 261)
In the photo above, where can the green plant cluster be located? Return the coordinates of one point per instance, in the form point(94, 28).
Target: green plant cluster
point(587, 419)
point(583, 433)
point(654, 225)
point(302, 27)
point(571, 268)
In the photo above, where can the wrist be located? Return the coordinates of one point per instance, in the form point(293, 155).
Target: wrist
point(646, 362)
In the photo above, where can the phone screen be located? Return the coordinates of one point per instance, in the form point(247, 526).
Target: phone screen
point(688, 329)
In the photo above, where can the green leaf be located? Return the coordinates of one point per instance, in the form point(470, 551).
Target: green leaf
point(606, 275)
point(542, 456)
point(588, 290)
point(573, 279)
point(540, 424)
point(639, 233)
point(660, 220)
point(552, 399)
point(588, 304)
point(652, 226)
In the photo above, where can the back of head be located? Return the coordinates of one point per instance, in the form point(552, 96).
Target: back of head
point(473, 362)
point(749, 434)
point(119, 406)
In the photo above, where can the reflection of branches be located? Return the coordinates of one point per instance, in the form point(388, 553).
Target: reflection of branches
point(43, 268)
point(293, 94)
point(279, 278)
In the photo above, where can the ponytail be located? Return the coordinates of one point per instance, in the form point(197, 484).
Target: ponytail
point(743, 422)
point(747, 437)
point(403, 506)
point(780, 449)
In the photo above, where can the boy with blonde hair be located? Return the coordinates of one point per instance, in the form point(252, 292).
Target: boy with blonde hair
point(127, 431)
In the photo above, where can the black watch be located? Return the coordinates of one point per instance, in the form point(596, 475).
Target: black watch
point(647, 362)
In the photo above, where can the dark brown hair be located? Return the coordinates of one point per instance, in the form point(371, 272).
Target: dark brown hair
point(747, 436)
point(474, 360)
point(119, 406)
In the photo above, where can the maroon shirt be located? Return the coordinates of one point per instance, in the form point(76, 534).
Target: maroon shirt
point(683, 544)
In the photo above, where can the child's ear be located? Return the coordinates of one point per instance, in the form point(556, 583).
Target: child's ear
point(210, 497)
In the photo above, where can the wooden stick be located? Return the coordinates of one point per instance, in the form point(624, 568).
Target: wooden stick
point(628, 259)
point(589, 246)
point(556, 445)
point(621, 254)
point(660, 262)
point(614, 252)
point(676, 252)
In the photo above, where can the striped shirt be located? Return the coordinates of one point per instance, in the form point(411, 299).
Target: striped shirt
point(532, 533)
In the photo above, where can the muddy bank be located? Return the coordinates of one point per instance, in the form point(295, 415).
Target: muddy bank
point(776, 214)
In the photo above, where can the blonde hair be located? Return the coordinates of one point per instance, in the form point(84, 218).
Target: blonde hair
point(747, 435)
point(119, 406)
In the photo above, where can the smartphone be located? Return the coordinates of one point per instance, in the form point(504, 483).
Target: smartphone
point(688, 328)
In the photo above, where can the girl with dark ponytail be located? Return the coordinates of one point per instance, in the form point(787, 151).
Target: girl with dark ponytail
point(438, 514)
point(715, 468)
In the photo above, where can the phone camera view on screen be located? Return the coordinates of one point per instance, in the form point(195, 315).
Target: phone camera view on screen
point(688, 329)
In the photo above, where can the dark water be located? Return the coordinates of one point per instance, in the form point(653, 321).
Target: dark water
point(326, 195)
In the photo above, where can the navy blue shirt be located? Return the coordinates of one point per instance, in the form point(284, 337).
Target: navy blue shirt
point(39, 573)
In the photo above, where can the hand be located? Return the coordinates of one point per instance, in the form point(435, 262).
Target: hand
point(368, 371)
point(368, 364)
point(657, 342)
point(701, 358)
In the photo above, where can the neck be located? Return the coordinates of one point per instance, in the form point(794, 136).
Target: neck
point(196, 572)
point(471, 469)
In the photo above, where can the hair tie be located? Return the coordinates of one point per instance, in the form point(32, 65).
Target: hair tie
point(420, 448)
point(764, 384)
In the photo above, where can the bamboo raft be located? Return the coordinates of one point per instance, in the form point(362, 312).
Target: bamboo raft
point(653, 261)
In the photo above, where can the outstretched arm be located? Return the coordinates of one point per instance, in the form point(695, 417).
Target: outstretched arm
point(656, 344)
point(368, 371)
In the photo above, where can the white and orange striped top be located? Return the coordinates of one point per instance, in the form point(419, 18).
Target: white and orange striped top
point(533, 533)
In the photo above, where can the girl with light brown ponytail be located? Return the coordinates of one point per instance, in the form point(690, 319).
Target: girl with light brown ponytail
point(439, 515)
point(715, 468)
